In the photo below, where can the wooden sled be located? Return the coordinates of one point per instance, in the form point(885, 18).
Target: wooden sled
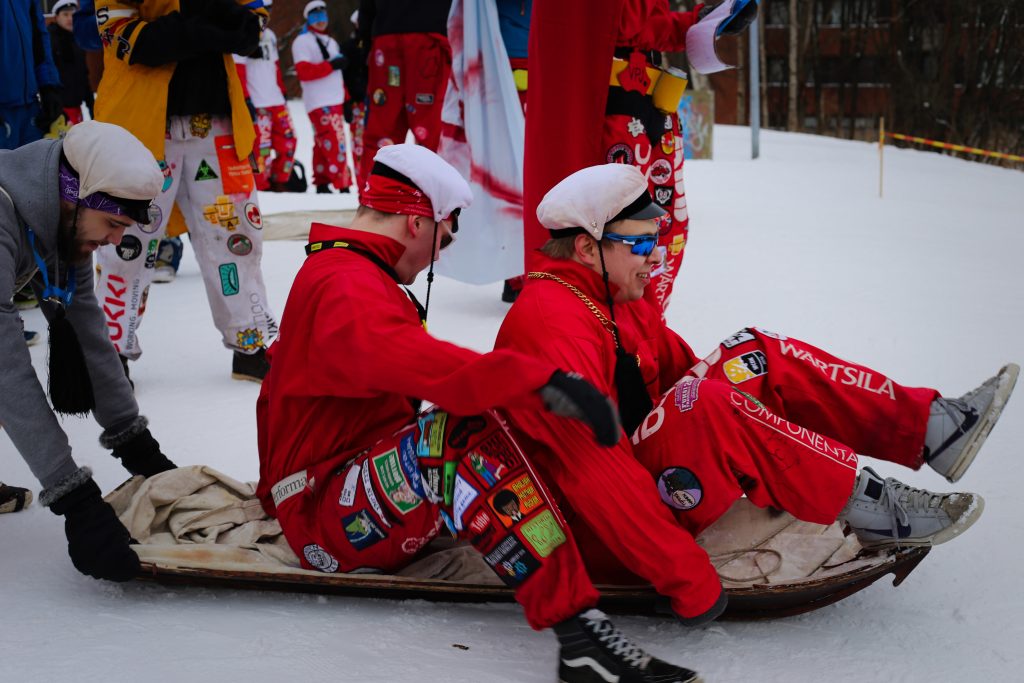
point(771, 564)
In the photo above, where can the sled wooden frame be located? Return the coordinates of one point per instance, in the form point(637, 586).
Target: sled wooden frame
point(745, 603)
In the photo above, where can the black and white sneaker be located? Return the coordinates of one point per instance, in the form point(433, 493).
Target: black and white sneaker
point(958, 426)
point(594, 651)
point(886, 513)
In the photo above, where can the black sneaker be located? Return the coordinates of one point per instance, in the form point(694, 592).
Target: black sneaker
point(250, 366)
point(594, 651)
point(323, 189)
point(14, 498)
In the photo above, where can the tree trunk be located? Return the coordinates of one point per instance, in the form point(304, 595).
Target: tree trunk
point(793, 114)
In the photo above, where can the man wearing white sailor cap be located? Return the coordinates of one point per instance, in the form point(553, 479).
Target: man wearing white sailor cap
point(788, 440)
point(357, 477)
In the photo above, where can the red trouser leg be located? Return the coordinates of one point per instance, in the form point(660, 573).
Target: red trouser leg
point(385, 114)
point(282, 140)
point(615, 503)
point(330, 163)
point(263, 125)
point(358, 128)
point(427, 67)
point(627, 142)
point(707, 445)
point(379, 509)
point(852, 403)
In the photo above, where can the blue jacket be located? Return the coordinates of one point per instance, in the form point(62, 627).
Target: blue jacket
point(25, 58)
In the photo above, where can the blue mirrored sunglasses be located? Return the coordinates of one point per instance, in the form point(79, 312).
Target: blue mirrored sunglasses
point(641, 245)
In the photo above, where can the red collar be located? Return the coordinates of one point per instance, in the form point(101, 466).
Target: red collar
point(387, 249)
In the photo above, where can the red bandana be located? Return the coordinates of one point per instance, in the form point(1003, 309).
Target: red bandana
point(393, 196)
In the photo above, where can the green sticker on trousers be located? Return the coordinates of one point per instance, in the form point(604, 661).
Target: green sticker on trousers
point(229, 279)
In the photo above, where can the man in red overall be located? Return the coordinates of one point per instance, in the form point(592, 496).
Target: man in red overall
point(409, 61)
point(610, 54)
point(772, 418)
point(360, 482)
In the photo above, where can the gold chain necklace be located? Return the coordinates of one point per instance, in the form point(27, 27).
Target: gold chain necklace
point(583, 297)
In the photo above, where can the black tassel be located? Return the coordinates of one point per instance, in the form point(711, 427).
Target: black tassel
point(70, 385)
point(634, 401)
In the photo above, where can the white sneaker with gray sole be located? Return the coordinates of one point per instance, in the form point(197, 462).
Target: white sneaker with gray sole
point(888, 513)
point(958, 426)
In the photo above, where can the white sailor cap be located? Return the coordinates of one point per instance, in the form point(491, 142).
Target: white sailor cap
point(109, 159)
point(437, 189)
point(61, 4)
point(592, 197)
point(313, 5)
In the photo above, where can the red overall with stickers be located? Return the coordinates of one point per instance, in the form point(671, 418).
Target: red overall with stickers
point(408, 74)
point(340, 441)
point(575, 41)
point(772, 418)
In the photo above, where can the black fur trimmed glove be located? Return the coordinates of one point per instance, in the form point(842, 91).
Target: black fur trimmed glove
point(138, 450)
point(98, 543)
point(569, 395)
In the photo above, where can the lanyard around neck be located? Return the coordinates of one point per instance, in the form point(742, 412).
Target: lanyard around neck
point(315, 247)
point(52, 292)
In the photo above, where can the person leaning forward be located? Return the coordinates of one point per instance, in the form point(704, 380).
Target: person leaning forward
point(60, 200)
point(358, 478)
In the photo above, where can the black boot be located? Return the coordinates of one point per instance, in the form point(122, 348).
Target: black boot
point(594, 651)
point(509, 294)
point(323, 189)
point(250, 366)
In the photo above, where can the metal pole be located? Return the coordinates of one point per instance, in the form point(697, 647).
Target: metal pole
point(755, 92)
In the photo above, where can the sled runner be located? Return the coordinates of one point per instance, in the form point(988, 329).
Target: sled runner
point(195, 526)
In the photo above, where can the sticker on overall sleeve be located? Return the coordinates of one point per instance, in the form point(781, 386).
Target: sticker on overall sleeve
point(371, 496)
point(393, 481)
point(228, 279)
point(663, 195)
point(511, 561)
point(543, 533)
point(348, 491)
point(490, 473)
point(685, 394)
point(619, 153)
point(740, 337)
point(236, 176)
point(745, 367)
point(130, 248)
point(463, 496)
point(424, 98)
point(249, 339)
point(361, 531)
point(431, 442)
point(205, 171)
point(465, 428)
point(498, 448)
point(410, 464)
point(518, 498)
point(318, 558)
point(168, 178)
point(680, 488)
point(156, 219)
point(394, 76)
point(661, 172)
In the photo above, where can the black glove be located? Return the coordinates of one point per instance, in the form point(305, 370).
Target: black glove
point(569, 395)
point(97, 541)
point(50, 107)
point(338, 63)
point(141, 455)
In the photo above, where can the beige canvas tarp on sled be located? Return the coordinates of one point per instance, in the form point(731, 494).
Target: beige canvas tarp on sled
point(198, 526)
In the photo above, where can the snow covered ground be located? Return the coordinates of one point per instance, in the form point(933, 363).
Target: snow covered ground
point(926, 285)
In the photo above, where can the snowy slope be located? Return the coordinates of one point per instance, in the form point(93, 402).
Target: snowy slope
point(926, 285)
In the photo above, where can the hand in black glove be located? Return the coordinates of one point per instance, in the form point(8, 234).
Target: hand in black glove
point(338, 63)
point(569, 395)
point(141, 455)
point(97, 541)
point(50, 107)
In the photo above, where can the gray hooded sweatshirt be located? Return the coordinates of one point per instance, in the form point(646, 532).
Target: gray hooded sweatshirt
point(29, 177)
